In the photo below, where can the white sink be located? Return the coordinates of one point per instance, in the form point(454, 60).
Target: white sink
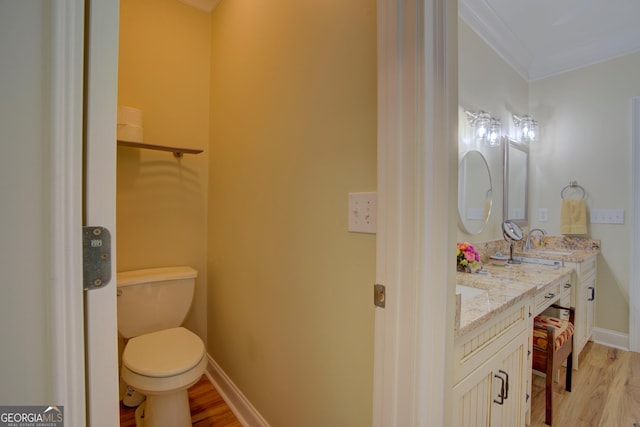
point(555, 252)
point(469, 292)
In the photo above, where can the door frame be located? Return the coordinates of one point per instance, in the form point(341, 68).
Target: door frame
point(84, 353)
point(417, 187)
point(417, 98)
point(67, 312)
point(101, 95)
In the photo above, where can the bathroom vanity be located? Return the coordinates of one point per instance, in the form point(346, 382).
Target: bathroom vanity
point(493, 343)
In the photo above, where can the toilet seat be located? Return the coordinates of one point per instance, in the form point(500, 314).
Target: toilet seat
point(164, 353)
point(163, 361)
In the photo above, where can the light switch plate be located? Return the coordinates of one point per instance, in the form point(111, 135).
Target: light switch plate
point(606, 216)
point(363, 209)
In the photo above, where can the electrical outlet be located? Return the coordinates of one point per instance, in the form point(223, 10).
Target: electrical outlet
point(362, 212)
point(543, 214)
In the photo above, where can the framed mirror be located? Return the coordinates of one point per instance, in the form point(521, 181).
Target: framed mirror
point(516, 182)
point(475, 194)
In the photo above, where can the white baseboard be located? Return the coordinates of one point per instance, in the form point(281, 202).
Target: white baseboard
point(611, 338)
point(238, 403)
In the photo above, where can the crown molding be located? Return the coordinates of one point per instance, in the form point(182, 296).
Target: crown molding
point(537, 62)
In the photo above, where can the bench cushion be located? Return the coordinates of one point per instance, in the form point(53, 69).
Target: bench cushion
point(563, 331)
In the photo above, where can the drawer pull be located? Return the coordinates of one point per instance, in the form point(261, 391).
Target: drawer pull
point(501, 396)
point(506, 391)
point(567, 285)
point(593, 293)
point(550, 295)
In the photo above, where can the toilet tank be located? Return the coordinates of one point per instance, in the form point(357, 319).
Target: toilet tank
point(153, 299)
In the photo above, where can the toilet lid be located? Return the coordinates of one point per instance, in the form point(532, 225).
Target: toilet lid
point(163, 353)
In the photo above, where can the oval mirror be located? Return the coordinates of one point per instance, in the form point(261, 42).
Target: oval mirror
point(474, 192)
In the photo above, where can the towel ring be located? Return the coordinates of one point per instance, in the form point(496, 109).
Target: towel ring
point(573, 184)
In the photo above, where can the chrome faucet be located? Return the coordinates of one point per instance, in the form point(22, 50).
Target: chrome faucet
point(528, 244)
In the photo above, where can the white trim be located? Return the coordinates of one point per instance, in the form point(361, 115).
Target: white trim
point(417, 158)
point(100, 198)
point(611, 338)
point(634, 274)
point(231, 394)
point(490, 27)
point(67, 313)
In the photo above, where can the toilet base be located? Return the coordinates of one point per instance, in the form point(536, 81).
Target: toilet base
point(165, 410)
point(133, 398)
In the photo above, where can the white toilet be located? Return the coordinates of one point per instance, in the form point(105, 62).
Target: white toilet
point(160, 359)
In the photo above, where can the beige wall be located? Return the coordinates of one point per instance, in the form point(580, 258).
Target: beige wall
point(293, 130)
point(161, 200)
point(586, 117)
point(486, 82)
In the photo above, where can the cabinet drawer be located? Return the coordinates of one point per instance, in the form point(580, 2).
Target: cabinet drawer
point(547, 297)
point(565, 294)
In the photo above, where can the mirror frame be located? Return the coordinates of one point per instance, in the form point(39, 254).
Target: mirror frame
point(489, 194)
point(510, 144)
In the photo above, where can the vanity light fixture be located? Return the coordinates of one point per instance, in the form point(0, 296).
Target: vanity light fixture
point(493, 138)
point(528, 128)
point(485, 128)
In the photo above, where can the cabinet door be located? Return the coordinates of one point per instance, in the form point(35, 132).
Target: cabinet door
point(472, 399)
point(585, 316)
point(590, 285)
point(510, 411)
point(494, 394)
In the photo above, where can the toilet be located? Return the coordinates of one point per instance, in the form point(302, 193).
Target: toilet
point(161, 359)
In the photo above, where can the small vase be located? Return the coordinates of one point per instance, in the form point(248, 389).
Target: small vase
point(467, 268)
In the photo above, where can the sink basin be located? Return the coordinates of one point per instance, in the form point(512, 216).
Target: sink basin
point(469, 292)
point(555, 252)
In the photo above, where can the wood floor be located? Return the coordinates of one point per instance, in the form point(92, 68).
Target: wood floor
point(207, 408)
point(605, 391)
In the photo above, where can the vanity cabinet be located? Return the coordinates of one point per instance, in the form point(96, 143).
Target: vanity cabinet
point(491, 374)
point(584, 303)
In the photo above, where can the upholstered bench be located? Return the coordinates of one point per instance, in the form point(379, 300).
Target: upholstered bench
point(552, 345)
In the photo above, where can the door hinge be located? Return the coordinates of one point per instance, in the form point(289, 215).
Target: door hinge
point(96, 257)
point(379, 295)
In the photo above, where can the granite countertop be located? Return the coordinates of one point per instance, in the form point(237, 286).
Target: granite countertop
point(505, 286)
point(567, 249)
point(509, 284)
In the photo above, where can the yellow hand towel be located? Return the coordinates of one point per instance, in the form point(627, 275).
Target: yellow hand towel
point(573, 217)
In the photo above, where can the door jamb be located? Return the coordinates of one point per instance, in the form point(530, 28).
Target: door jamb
point(67, 313)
